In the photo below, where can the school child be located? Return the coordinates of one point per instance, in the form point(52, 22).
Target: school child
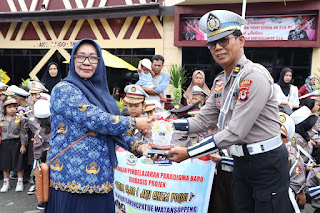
point(172, 107)
point(145, 76)
point(42, 135)
point(13, 144)
point(198, 94)
point(312, 188)
point(297, 170)
point(152, 107)
point(304, 121)
point(135, 102)
point(21, 96)
point(184, 140)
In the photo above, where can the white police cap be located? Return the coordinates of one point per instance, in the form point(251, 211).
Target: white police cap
point(146, 63)
point(220, 23)
point(196, 90)
point(300, 114)
point(18, 91)
point(3, 86)
point(287, 125)
point(41, 109)
point(36, 87)
point(134, 94)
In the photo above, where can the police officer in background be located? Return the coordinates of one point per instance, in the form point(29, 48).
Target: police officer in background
point(244, 105)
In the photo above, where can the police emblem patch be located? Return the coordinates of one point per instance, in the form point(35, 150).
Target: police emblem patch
point(213, 23)
point(33, 84)
point(244, 90)
point(298, 170)
point(282, 118)
point(133, 89)
point(318, 175)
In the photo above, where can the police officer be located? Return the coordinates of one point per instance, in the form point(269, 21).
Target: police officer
point(244, 105)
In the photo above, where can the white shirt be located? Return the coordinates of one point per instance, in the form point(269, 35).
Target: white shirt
point(292, 96)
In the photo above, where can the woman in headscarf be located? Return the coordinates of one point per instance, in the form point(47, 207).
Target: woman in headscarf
point(308, 87)
point(81, 178)
point(198, 78)
point(287, 94)
point(52, 76)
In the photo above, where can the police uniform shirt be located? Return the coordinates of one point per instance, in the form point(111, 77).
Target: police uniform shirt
point(32, 121)
point(313, 180)
point(253, 114)
point(307, 146)
point(297, 170)
point(14, 129)
point(182, 140)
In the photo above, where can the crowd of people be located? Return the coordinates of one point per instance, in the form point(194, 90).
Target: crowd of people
point(267, 161)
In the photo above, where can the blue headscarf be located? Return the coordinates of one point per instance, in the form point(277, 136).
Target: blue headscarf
point(310, 87)
point(97, 92)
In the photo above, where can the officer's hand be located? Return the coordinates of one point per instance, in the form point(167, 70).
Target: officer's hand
point(215, 157)
point(301, 199)
point(179, 154)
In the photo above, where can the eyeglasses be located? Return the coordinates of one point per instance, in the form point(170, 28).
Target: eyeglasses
point(222, 42)
point(82, 58)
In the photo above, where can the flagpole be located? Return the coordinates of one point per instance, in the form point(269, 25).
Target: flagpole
point(244, 8)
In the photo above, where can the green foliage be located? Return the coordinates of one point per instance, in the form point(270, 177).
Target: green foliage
point(25, 82)
point(2, 76)
point(178, 76)
point(120, 104)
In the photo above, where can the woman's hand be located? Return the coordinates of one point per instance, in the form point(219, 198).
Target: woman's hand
point(144, 150)
point(23, 149)
point(291, 105)
point(145, 123)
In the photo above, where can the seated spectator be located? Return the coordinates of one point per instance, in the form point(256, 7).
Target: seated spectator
point(308, 87)
point(198, 78)
point(287, 94)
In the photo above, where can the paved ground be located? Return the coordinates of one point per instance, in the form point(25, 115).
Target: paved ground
point(21, 202)
point(18, 202)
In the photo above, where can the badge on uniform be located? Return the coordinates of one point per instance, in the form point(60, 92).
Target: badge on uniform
point(298, 170)
point(219, 105)
point(244, 90)
point(293, 141)
point(218, 86)
point(236, 69)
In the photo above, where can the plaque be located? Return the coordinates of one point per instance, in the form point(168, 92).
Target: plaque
point(162, 130)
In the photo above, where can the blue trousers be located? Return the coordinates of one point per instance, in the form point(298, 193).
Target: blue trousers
point(261, 182)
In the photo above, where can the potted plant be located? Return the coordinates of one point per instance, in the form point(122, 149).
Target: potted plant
point(178, 76)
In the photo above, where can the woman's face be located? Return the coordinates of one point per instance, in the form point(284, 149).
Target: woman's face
point(313, 81)
point(53, 70)
point(315, 107)
point(85, 69)
point(198, 80)
point(287, 77)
